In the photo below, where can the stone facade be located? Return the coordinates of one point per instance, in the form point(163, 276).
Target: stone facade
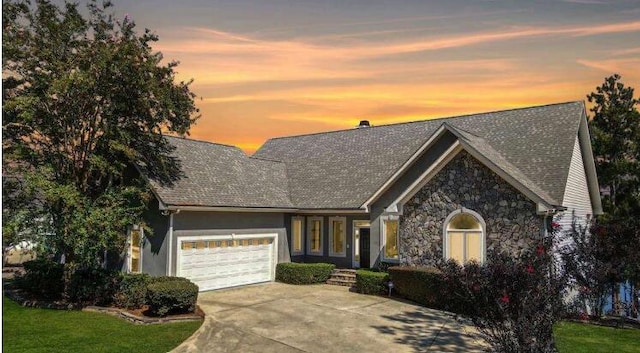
point(512, 224)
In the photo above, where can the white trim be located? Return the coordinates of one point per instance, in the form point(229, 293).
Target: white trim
point(302, 236)
point(170, 250)
point(445, 242)
point(330, 211)
point(383, 237)
point(228, 209)
point(343, 220)
point(310, 221)
point(403, 168)
point(425, 177)
point(356, 226)
point(274, 255)
point(584, 140)
point(130, 250)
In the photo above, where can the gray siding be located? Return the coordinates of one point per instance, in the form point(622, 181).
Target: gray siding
point(340, 262)
point(414, 172)
point(154, 250)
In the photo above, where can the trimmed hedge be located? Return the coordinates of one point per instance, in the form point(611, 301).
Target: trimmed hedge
point(300, 273)
point(132, 293)
point(371, 282)
point(91, 286)
point(171, 295)
point(42, 278)
point(420, 284)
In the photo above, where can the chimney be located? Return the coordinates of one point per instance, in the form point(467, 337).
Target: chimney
point(363, 123)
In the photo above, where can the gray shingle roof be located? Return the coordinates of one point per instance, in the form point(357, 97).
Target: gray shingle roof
point(342, 169)
point(220, 175)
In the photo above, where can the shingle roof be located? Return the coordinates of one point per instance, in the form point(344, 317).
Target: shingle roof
point(220, 175)
point(341, 169)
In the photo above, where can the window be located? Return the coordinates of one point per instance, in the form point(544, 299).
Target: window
point(296, 236)
point(135, 246)
point(464, 237)
point(314, 235)
point(390, 239)
point(337, 236)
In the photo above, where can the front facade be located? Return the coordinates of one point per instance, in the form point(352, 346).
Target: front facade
point(413, 194)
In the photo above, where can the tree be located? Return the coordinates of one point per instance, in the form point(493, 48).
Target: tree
point(86, 102)
point(615, 132)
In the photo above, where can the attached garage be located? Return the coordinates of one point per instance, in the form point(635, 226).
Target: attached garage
point(221, 261)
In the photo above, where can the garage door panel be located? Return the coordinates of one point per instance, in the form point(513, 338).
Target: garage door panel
point(214, 264)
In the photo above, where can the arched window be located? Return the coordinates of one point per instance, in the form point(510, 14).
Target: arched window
point(464, 236)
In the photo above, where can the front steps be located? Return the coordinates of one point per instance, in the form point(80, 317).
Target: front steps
point(342, 277)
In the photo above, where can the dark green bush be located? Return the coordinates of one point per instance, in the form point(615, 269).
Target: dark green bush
point(299, 273)
point(168, 279)
point(175, 296)
point(91, 286)
point(132, 293)
point(371, 282)
point(42, 278)
point(420, 284)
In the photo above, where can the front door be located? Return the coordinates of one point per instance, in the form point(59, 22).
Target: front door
point(365, 247)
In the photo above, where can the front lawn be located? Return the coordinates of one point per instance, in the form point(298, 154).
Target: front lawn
point(44, 330)
point(583, 338)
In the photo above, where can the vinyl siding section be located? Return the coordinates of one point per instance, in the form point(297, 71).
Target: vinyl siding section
point(576, 195)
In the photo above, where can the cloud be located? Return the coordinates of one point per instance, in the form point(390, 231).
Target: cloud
point(621, 66)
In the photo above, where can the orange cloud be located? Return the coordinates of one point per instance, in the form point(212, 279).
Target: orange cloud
point(254, 88)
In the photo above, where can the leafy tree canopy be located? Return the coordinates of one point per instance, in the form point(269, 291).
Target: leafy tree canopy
point(85, 102)
point(615, 129)
point(615, 133)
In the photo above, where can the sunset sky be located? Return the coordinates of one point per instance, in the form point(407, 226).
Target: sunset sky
point(265, 68)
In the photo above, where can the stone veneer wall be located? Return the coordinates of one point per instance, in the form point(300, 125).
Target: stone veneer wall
point(510, 217)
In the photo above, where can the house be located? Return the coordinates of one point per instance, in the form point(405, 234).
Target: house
point(411, 193)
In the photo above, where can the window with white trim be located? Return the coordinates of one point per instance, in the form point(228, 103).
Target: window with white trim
point(464, 238)
point(314, 236)
point(337, 236)
point(297, 227)
point(390, 241)
point(134, 250)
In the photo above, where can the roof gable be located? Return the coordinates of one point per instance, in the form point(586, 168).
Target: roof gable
point(224, 176)
point(342, 169)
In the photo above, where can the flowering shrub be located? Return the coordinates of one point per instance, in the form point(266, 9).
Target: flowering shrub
point(512, 302)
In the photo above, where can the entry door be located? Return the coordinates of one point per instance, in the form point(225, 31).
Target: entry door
point(365, 248)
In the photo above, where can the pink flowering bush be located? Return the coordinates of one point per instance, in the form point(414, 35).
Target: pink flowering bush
point(513, 302)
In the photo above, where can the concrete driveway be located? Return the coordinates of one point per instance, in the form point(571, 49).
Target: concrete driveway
point(277, 317)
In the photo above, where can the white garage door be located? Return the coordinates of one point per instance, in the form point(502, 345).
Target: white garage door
point(226, 261)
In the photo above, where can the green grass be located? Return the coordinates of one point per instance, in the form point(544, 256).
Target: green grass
point(45, 330)
point(583, 338)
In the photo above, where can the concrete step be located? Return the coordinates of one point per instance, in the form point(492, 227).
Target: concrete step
point(339, 282)
point(343, 277)
point(346, 277)
point(345, 270)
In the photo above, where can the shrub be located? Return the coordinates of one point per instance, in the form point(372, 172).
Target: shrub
point(371, 282)
point(42, 278)
point(172, 296)
point(512, 302)
point(298, 273)
point(91, 286)
point(132, 293)
point(162, 279)
point(420, 284)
